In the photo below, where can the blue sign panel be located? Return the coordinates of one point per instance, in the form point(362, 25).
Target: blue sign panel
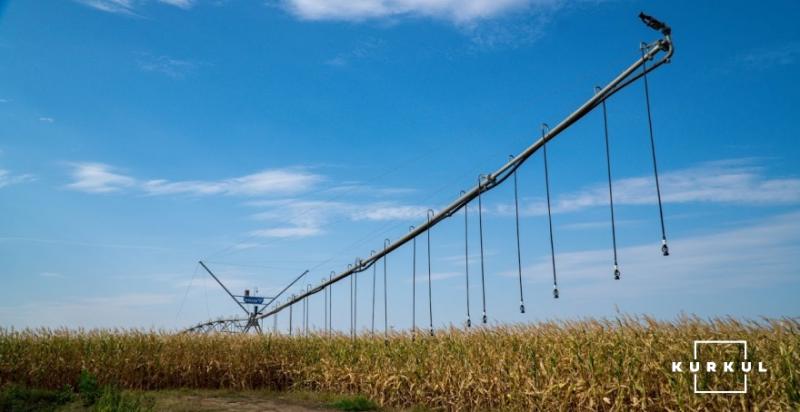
point(255, 300)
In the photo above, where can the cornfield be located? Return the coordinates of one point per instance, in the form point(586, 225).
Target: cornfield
point(609, 364)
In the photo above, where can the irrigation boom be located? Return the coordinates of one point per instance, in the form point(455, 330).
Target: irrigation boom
point(625, 78)
point(485, 183)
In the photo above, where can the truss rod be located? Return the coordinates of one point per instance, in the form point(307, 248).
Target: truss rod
point(274, 298)
point(223, 286)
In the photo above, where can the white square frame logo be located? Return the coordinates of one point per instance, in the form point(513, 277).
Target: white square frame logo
point(719, 342)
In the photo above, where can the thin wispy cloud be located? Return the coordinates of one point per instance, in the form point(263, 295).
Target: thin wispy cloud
point(384, 211)
point(437, 276)
point(354, 188)
point(143, 309)
point(362, 50)
point(273, 181)
point(45, 119)
point(510, 33)
point(306, 218)
point(166, 65)
point(247, 245)
point(233, 279)
point(110, 6)
point(736, 181)
point(103, 178)
point(140, 308)
point(599, 224)
point(182, 4)
point(302, 231)
point(458, 259)
point(69, 242)
point(130, 7)
point(131, 300)
point(295, 218)
point(8, 179)
point(764, 58)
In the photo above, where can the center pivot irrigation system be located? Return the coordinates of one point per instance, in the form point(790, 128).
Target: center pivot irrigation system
point(638, 70)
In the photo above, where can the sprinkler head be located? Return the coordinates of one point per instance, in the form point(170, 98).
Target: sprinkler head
point(485, 319)
point(521, 308)
point(469, 323)
point(664, 247)
point(431, 331)
point(555, 293)
point(616, 272)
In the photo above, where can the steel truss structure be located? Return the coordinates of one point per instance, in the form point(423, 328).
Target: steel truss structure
point(234, 325)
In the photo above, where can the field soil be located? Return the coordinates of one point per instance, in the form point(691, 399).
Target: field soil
point(245, 401)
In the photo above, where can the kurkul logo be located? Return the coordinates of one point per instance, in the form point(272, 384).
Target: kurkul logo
point(742, 368)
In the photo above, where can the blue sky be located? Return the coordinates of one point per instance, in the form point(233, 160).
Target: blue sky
point(269, 137)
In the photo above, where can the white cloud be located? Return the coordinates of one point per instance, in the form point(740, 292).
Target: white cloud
point(51, 275)
point(460, 11)
point(7, 179)
point(45, 119)
point(102, 178)
point(284, 181)
point(759, 254)
point(98, 178)
point(265, 182)
point(737, 181)
point(297, 218)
